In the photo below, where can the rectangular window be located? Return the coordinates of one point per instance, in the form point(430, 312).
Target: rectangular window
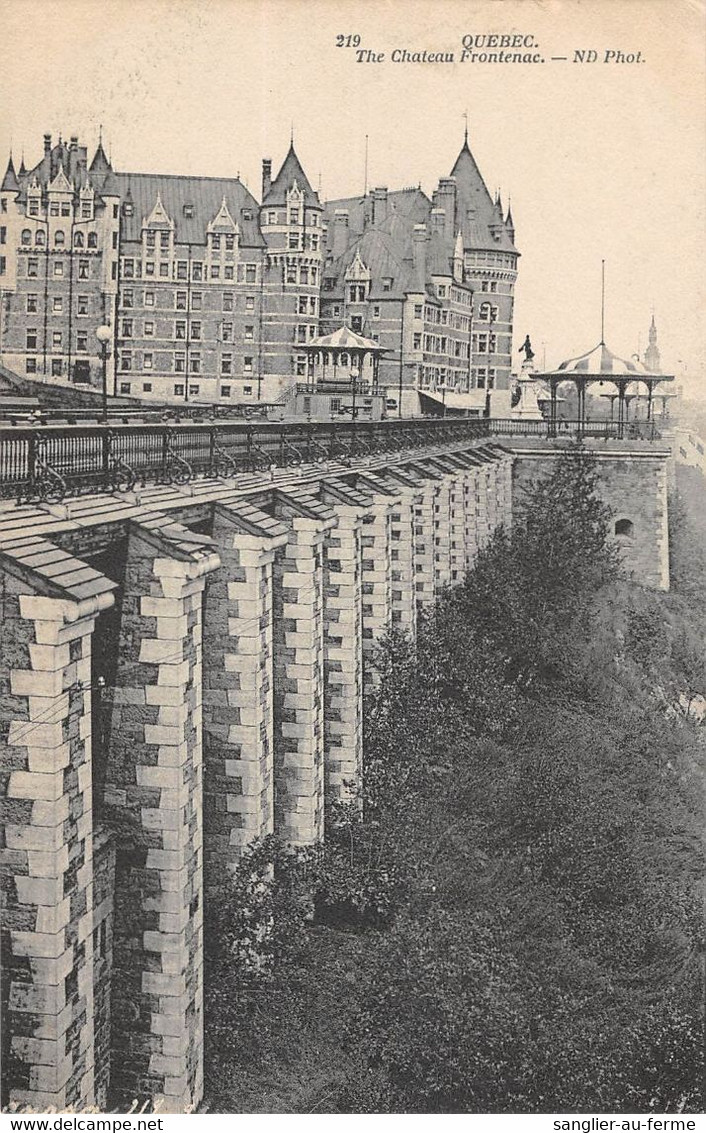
point(215, 271)
point(227, 332)
point(31, 367)
point(164, 241)
point(335, 404)
point(125, 387)
point(195, 363)
point(54, 208)
point(226, 363)
point(3, 234)
point(228, 273)
point(230, 243)
point(180, 329)
point(56, 367)
point(227, 300)
point(126, 360)
point(291, 273)
point(31, 304)
point(225, 391)
point(150, 239)
point(128, 269)
point(164, 270)
point(304, 275)
point(293, 241)
point(3, 264)
point(149, 267)
point(147, 361)
point(149, 298)
point(303, 305)
point(58, 267)
point(147, 387)
point(149, 329)
point(194, 391)
point(180, 363)
point(247, 365)
point(247, 389)
point(56, 339)
point(65, 208)
point(33, 207)
point(82, 340)
point(182, 269)
point(178, 391)
point(196, 330)
point(301, 365)
point(127, 328)
point(196, 301)
point(86, 210)
point(128, 297)
point(249, 302)
point(249, 332)
point(181, 300)
point(387, 283)
point(31, 338)
point(197, 271)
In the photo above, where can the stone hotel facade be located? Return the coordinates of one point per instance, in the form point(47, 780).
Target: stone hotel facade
point(212, 297)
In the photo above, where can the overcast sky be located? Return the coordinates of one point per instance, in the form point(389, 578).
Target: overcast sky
point(602, 160)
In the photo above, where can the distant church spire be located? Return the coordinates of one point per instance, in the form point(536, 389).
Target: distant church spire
point(653, 361)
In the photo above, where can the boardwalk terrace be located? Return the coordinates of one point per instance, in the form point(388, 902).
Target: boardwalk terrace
point(186, 649)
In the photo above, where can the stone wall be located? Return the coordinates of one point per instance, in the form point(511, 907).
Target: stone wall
point(235, 659)
point(633, 482)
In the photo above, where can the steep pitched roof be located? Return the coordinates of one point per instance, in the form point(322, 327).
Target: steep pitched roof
point(290, 172)
point(205, 195)
point(472, 197)
point(345, 339)
point(10, 184)
point(409, 205)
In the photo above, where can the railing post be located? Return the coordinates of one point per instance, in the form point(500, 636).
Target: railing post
point(31, 460)
point(105, 446)
point(211, 449)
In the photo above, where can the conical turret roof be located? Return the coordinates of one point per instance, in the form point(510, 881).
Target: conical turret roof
point(290, 172)
point(10, 184)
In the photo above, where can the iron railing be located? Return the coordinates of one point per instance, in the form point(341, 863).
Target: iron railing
point(53, 461)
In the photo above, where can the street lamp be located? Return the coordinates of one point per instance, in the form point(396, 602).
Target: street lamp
point(104, 334)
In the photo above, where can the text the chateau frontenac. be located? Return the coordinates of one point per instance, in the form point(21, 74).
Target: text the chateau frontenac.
point(212, 297)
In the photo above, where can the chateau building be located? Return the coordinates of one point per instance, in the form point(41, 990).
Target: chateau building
point(214, 298)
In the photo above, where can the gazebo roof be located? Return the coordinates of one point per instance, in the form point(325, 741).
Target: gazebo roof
point(345, 339)
point(602, 364)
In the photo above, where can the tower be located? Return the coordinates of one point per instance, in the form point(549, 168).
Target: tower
point(290, 220)
point(653, 362)
point(490, 267)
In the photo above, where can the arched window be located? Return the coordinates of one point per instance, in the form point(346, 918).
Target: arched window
point(78, 240)
point(92, 240)
point(26, 237)
point(624, 527)
point(40, 238)
point(59, 239)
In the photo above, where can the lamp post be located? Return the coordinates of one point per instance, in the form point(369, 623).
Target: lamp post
point(103, 334)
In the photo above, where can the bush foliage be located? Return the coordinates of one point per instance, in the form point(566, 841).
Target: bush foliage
point(514, 922)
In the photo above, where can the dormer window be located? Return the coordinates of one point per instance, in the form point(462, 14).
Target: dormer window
point(188, 211)
point(272, 218)
point(230, 243)
point(54, 208)
point(33, 206)
point(387, 283)
point(247, 214)
point(128, 208)
point(150, 238)
point(294, 216)
point(86, 210)
point(215, 241)
point(164, 241)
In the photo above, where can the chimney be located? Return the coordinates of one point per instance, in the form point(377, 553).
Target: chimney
point(73, 144)
point(340, 232)
point(438, 220)
point(419, 252)
point(47, 143)
point(445, 198)
point(379, 205)
point(266, 176)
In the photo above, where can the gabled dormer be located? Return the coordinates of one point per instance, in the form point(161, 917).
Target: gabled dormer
point(223, 233)
point(87, 200)
point(158, 230)
point(159, 218)
point(61, 184)
point(357, 277)
point(34, 198)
